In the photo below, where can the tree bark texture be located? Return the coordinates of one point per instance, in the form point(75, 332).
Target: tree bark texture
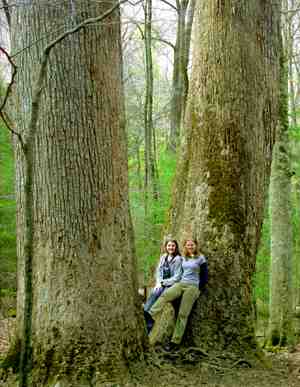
point(180, 82)
point(224, 168)
point(281, 297)
point(86, 322)
point(296, 256)
point(151, 178)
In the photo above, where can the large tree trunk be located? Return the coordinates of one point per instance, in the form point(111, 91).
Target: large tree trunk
point(222, 177)
point(180, 82)
point(281, 297)
point(280, 330)
point(290, 22)
point(85, 322)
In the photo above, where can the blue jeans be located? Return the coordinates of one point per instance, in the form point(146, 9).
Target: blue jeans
point(154, 295)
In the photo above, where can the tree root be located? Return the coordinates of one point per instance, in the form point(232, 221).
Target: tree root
point(197, 350)
point(159, 358)
point(242, 363)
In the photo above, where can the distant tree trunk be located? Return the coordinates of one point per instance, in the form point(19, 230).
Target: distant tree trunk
point(150, 146)
point(288, 38)
point(180, 67)
point(85, 322)
point(296, 252)
point(139, 165)
point(224, 169)
point(289, 34)
point(295, 150)
point(188, 32)
point(281, 297)
point(6, 11)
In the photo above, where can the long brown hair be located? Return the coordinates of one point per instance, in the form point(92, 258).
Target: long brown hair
point(177, 252)
point(185, 252)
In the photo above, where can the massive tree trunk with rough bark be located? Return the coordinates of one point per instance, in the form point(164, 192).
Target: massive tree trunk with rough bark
point(224, 168)
point(85, 323)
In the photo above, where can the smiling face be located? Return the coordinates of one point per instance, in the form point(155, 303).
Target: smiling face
point(190, 248)
point(171, 248)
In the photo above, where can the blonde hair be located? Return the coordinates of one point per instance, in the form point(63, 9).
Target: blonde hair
point(185, 252)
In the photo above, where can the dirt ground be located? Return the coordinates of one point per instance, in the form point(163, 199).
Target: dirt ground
point(192, 367)
point(180, 371)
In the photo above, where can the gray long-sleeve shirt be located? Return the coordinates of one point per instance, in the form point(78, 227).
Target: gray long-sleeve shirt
point(175, 268)
point(191, 270)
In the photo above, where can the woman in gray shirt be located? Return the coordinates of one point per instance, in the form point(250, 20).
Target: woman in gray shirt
point(193, 278)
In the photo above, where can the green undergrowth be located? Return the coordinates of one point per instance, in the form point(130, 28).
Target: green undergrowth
point(8, 260)
point(148, 227)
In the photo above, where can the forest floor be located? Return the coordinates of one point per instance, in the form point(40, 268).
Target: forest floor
point(192, 367)
point(276, 370)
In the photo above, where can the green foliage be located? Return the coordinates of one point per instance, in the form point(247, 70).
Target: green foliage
point(148, 228)
point(294, 133)
point(6, 163)
point(7, 217)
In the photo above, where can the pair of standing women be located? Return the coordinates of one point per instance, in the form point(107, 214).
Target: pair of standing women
point(187, 276)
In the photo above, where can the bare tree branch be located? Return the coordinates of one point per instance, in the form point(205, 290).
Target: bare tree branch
point(159, 39)
point(170, 4)
point(165, 42)
point(38, 86)
point(79, 26)
point(3, 115)
point(6, 10)
point(138, 26)
point(13, 55)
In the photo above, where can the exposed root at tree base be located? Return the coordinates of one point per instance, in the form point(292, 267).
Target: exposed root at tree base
point(194, 367)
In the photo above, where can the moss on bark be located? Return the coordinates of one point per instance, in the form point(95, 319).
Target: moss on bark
point(222, 180)
point(12, 358)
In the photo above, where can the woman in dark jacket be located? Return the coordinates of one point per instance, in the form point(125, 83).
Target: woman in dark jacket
point(168, 272)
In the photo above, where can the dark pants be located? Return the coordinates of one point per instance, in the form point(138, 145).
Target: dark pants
point(155, 294)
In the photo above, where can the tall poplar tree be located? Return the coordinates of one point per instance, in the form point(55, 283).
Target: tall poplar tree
point(77, 289)
point(281, 298)
point(223, 173)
